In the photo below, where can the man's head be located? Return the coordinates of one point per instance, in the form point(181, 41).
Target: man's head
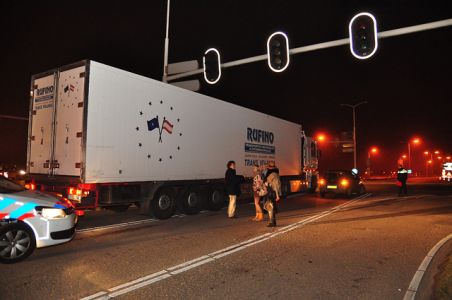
point(231, 164)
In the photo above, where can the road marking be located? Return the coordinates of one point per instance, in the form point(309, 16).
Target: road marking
point(113, 226)
point(194, 263)
point(96, 296)
point(416, 281)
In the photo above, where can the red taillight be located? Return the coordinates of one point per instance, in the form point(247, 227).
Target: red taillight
point(344, 182)
point(74, 191)
point(80, 213)
point(30, 186)
point(65, 202)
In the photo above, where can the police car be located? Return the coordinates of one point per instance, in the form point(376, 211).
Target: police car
point(31, 219)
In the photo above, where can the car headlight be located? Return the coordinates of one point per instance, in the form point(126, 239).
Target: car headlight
point(52, 213)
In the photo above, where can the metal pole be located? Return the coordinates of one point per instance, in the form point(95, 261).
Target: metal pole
point(324, 45)
point(354, 138)
point(354, 130)
point(13, 117)
point(165, 55)
point(409, 156)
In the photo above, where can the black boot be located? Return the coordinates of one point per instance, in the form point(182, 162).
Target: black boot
point(272, 223)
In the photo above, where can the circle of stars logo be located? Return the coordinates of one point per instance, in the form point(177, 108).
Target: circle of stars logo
point(68, 90)
point(158, 123)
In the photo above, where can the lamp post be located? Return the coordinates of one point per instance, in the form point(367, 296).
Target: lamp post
point(353, 107)
point(414, 141)
point(372, 150)
point(165, 51)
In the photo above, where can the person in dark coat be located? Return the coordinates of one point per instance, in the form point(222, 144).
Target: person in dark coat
point(402, 177)
point(232, 187)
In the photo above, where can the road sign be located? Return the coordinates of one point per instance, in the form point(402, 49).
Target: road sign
point(182, 67)
point(192, 85)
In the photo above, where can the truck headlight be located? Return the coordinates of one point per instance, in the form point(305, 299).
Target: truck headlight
point(53, 213)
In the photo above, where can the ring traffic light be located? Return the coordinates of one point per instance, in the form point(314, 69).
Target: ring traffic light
point(212, 65)
point(278, 51)
point(363, 35)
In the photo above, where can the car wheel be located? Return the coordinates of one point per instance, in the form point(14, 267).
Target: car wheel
point(191, 202)
point(215, 199)
point(17, 242)
point(164, 204)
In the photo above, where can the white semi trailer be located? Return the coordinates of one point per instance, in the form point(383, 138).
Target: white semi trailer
point(101, 136)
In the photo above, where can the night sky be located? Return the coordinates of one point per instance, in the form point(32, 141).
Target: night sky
point(408, 83)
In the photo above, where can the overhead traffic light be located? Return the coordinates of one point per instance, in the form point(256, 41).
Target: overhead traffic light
point(363, 35)
point(212, 66)
point(278, 51)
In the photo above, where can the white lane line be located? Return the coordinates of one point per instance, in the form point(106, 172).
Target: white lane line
point(95, 296)
point(188, 263)
point(153, 275)
point(199, 263)
point(119, 225)
point(194, 263)
point(140, 285)
point(416, 281)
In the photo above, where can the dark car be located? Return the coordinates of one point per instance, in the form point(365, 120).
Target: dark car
point(341, 182)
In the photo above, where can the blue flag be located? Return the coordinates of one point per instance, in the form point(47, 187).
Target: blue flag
point(153, 124)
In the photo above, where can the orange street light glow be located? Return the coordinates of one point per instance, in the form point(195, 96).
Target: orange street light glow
point(404, 156)
point(416, 141)
point(321, 138)
point(436, 152)
point(426, 152)
point(429, 161)
point(439, 157)
point(374, 150)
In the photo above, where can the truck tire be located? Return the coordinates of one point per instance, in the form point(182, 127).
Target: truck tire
point(163, 204)
point(215, 199)
point(17, 242)
point(191, 201)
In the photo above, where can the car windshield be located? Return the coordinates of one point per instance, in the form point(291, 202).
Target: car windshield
point(7, 186)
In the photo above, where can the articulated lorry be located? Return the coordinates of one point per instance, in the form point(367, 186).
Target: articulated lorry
point(104, 137)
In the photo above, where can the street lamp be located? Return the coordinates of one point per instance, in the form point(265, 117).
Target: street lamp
point(429, 162)
point(353, 107)
point(321, 137)
point(372, 150)
point(415, 141)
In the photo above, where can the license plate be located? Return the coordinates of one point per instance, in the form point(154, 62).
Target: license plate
point(331, 186)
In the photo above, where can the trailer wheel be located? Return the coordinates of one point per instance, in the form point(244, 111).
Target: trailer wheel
point(215, 199)
point(191, 202)
point(164, 204)
point(17, 242)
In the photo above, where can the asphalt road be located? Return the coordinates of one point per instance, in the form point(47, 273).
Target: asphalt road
point(364, 248)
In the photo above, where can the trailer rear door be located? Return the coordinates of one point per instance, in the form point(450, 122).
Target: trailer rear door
point(41, 123)
point(57, 122)
point(69, 122)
